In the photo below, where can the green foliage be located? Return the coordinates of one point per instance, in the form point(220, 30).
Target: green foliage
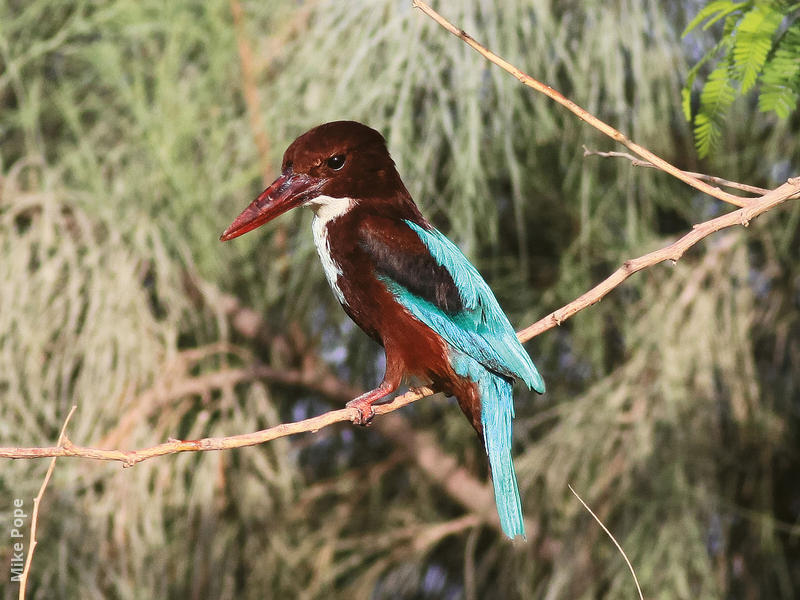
point(780, 80)
point(717, 96)
point(760, 45)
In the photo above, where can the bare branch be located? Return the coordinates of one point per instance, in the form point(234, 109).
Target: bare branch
point(580, 112)
point(672, 252)
point(173, 446)
point(637, 162)
point(23, 580)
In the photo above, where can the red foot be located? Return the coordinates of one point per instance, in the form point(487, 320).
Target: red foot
point(365, 411)
point(363, 404)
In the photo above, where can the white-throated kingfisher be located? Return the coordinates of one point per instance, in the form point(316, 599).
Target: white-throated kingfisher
point(406, 285)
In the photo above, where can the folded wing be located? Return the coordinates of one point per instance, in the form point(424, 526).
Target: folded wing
point(434, 281)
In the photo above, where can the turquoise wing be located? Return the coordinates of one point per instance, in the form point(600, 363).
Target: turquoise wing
point(436, 283)
point(480, 329)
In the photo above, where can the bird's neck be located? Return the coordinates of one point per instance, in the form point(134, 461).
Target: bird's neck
point(326, 210)
point(335, 227)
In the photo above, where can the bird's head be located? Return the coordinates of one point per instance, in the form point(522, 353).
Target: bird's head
point(342, 159)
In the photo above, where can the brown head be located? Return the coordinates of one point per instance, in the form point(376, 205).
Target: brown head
point(342, 159)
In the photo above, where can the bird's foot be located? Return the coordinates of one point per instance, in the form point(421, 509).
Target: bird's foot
point(365, 411)
point(363, 404)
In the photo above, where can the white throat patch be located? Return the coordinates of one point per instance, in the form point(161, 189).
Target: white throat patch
point(327, 209)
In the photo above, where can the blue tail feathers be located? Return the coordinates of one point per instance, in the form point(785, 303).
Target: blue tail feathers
point(483, 348)
point(497, 411)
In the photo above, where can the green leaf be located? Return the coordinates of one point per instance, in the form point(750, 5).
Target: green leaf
point(716, 11)
point(686, 102)
point(724, 44)
point(781, 100)
point(718, 92)
point(716, 97)
point(754, 41)
point(706, 134)
point(780, 79)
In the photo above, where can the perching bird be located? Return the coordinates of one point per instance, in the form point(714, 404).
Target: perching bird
point(406, 285)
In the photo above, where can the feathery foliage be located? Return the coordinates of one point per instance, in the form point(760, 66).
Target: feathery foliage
point(760, 43)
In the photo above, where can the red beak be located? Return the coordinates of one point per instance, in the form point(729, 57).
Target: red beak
point(283, 194)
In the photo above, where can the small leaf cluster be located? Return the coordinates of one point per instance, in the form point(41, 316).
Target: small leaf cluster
point(760, 46)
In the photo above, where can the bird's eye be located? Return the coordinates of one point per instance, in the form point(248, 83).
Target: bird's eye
point(336, 162)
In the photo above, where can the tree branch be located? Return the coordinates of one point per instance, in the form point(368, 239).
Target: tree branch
point(580, 112)
point(65, 448)
point(672, 252)
point(23, 580)
point(637, 162)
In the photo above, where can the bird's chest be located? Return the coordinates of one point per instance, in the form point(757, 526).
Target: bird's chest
point(347, 268)
point(351, 273)
point(332, 266)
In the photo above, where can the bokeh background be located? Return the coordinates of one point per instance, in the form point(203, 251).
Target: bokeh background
point(132, 132)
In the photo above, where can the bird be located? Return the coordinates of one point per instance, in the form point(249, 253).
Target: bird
point(405, 285)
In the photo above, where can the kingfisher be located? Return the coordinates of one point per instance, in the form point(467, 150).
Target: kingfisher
point(406, 285)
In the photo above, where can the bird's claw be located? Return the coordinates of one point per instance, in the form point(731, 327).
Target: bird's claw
point(365, 412)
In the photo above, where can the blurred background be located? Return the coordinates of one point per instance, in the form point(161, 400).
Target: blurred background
point(131, 134)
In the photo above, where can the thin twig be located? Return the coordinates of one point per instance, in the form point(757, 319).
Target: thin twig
point(637, 162)
point(580, 112)
point(613, 539)
point(23, 580)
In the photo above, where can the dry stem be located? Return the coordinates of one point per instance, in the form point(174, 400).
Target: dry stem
point(613, 539)
point(23, 580)
point(673, 252)
point(637, 162)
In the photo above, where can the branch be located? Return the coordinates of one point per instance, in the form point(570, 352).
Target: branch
point(129, 458)
point(636, 162)
point(580, 112)
point(23, 580)
point(672, 252)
